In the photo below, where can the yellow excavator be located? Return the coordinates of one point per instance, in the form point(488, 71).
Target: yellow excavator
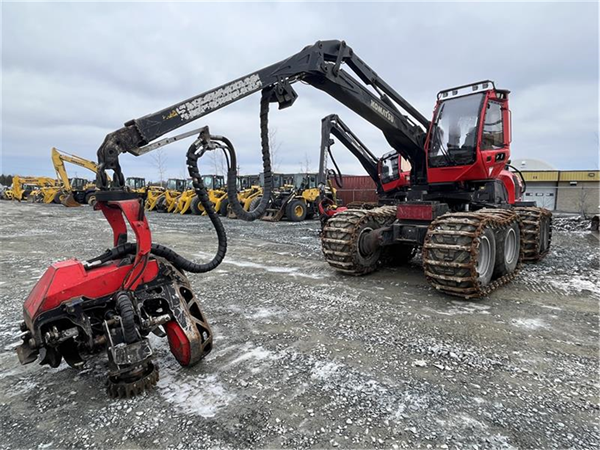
point(74, 191)
point(23, 187)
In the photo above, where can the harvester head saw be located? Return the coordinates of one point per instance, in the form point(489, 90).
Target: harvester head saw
point(110, 304)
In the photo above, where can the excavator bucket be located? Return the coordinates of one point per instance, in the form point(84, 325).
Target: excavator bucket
point(69, 201)
point(273, 215)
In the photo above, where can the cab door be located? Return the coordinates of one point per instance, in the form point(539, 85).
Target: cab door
point(495, 137)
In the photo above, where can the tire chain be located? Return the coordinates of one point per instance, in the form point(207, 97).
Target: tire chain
point(340, 236)
point(451, 250)
point(531, 218)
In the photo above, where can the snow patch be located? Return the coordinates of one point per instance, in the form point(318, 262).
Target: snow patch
point(529, 324)
point(324, 371)
point(201, 395)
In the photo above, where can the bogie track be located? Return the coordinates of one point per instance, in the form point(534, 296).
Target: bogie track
point(341, 236)
point(537, 230)
point(465, 254)
point(454, 253)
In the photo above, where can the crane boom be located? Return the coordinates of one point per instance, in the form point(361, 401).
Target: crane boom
point(322, 66)
point(333, 125)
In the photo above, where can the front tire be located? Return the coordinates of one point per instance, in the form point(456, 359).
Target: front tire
point(295, 210)
point(195, 206)
point(160, 205)
point(486, 257)
point(254, 203)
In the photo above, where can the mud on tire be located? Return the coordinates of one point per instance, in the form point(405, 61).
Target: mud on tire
point(341, 235)
point(537, 230)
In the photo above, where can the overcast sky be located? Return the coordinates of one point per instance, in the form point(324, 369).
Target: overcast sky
point(71, 73)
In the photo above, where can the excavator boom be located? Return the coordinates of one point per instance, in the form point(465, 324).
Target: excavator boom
point(59, 158)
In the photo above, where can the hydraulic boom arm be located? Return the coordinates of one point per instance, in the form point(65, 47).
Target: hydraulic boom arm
point(321, 66)
point(333, 125)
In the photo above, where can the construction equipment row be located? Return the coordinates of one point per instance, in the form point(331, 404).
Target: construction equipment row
point(295, 196)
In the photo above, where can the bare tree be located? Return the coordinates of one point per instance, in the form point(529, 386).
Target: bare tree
point(306, 165)
point(218, 163)
point(274, 147)
point(160, 162)
point(582, 201)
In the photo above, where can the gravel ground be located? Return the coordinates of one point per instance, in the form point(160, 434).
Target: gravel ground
point(304, 357)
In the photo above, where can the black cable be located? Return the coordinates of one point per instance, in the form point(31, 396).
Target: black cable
point(522, 178)
point(337, 176)
point(236, 206)
point(193, 156)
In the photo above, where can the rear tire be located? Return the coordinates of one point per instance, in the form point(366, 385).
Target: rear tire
point(195, 206)
point(254, 203)
point(223, 207)
point(57, 198)
point(508, 248)
point(544, 235)
point(295, 210)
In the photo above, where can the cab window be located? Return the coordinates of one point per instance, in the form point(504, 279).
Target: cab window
point(493, 129)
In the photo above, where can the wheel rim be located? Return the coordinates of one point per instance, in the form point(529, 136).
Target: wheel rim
point(484, 260)
point(298, 210)
point(510, 246)
point(361, 250)
point(544, 235)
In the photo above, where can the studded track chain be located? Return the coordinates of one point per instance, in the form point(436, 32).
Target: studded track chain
point(451, 250)
point(339, 237)
point(531, 220)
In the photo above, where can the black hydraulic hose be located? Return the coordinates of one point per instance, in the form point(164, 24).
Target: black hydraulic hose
point(181, 263)
point(337, 174)
point(522, 178)
point(235, 204)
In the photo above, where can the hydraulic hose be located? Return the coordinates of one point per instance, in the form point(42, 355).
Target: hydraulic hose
point(235, 204)
point(193, 156)
point(173, 257)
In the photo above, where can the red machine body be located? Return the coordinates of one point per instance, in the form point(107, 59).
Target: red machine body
point(489, 131)
point(66, 280)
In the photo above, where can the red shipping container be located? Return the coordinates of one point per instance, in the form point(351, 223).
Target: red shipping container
point(356, 188)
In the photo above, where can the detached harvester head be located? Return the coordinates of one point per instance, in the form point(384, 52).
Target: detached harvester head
point(111, 304)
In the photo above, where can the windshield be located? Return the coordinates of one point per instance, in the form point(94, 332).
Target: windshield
point(454, 133)
point(389, 168)
point(208, 181)
point(135, 183)
point(174, 184)
point(78, 183)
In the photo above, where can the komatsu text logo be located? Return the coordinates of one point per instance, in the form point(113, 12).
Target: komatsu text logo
point(382, 111)
point(214, 99)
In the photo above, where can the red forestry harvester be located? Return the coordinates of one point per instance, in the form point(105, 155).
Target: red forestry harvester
point(459, 204)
